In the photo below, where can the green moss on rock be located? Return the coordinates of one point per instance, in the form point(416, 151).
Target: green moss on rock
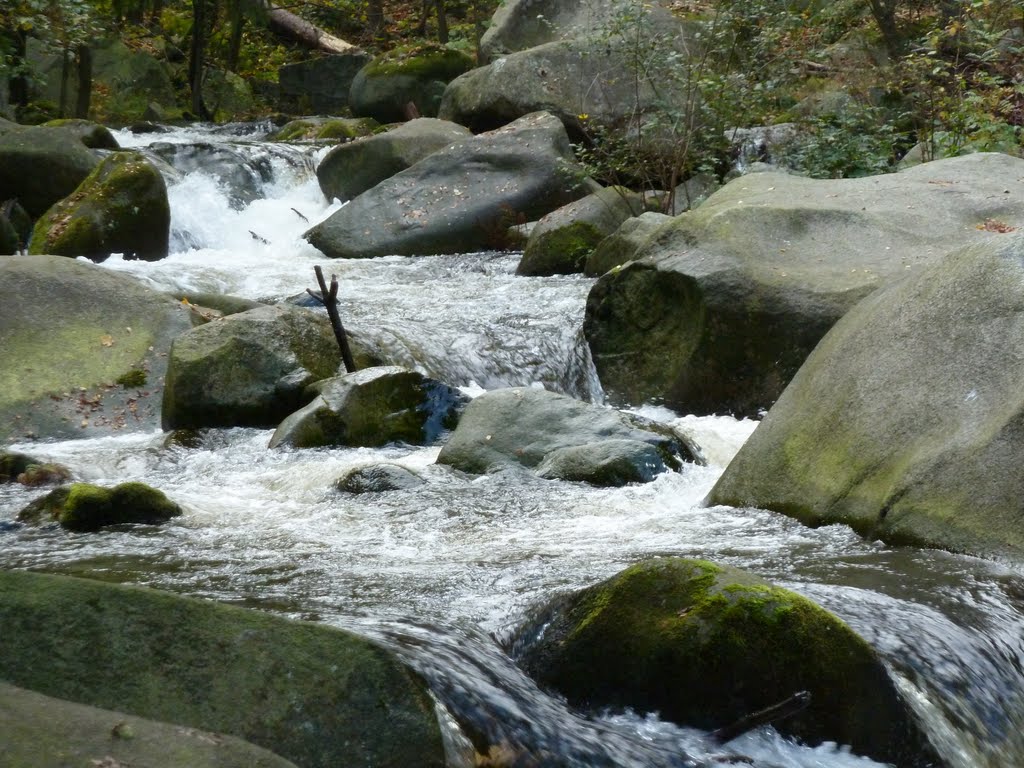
point(704, 645)
point(85, 507)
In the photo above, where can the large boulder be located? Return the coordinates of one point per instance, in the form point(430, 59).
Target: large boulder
point(227, 95)
point(460, 198)
point(321, 85)
point(70, 331)
point(350, 169)
point(90, 736)
point(724, 303)
point(373, 407)
point(906, 421)
point(704, 645)
point(92, 134)
point(562, 241)
point(385, 87)
point(247, 369)
point(314, 695)
point(560, 436)
point(86, 507)
point(326, 129)
point(521, 24)
point(622, 244)
point(588, 83)
point(41, 165)
point(121, 207)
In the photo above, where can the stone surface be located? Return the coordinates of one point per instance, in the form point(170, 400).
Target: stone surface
point(562, 241)
point(373, 407)
point(314, 695)
point(378, 478)
point(326, 128)
point(121, 207)
point(906, 421)
point(350, 169)
point(704, 645)
point(61, 365)
point(39, 166)
point(461, 198)
point(528, 426)
point(722, 306)
point(320, 85)
point(85, 507)
point(247, 369)
point(622, 244)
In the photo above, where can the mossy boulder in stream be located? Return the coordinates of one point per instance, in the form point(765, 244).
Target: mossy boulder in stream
point(373, 407)
point(121, 207)
point(415, 75)
point(314, 695)
point(102, 738)
point(87, 507)
point(326, 128)
point(907, 420)
point(24, 469)
point(69, 330)
point(703, 645)
point(248, 369)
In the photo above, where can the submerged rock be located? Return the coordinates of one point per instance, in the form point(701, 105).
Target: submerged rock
point(906, 422)
point(373, 407)
point(723, 304)
point(704, 645)
point(121, 207)
point(21, 468)
point(90, 736)
point(563, 437)
point(461, 198)
point(378, 478)
point(314, 695)
point(60, 366)
point(85, 507)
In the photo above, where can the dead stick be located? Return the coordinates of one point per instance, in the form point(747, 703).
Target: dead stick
point(785, 708)
point(329, 298)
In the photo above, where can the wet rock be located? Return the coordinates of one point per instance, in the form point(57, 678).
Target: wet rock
point(39, 166)
point(461, 198)
point(326, 128)
point(622, 245)
point(384, 87)
point(372, 407)
point(906, 421)
point(21, 468)
point(721, 307)
point(247, 369)
point(60, 367)
point(562, 241)
point(309, 693)
point(92, 135)
point(563, 437)
point(320, 85)
point(121, 207)
point(704, 645)
point(85, 507)
point(379, 478)
point(242, 176)
point(350, 169)
point(107, 739)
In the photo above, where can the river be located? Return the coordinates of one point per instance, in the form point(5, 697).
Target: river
point(444, 573)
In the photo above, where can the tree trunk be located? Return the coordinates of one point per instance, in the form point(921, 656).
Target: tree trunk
point(298, 30)
point(442, 22)
point(375, 16)
point(84, 96)
point(197, 54)
point(884, 13)
point(235, 42)
point(65, 75)
point(18, 85)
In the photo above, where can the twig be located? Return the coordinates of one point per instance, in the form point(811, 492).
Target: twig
point(329, 298)
point(259, 239)
point(299, 214)
point(790, 706)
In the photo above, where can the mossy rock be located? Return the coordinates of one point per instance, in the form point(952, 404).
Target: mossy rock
point(121, 207)
point(312, 694)
point(416, 75)
point(703, 645)
point(24, 469)
point(378, 478)
point(85, 507)
point(325, 129)
point(89, 736)
point(620, 246)
point(227, 95)
point(373, 407)
point(609, 463)
point(39, 166)
point(91, 134)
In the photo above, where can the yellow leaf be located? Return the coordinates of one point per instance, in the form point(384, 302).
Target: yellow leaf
point(107, 340)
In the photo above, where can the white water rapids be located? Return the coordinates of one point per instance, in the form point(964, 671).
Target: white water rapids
point(445, 572)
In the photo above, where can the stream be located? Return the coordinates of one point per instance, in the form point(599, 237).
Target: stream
point(443, 574)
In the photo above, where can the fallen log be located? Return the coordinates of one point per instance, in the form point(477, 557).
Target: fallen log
point(298, 30)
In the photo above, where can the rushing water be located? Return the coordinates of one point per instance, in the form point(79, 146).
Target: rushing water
point(444, 573)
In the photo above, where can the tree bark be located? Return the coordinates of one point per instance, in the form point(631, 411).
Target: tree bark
point(196, 58)
point(83, 97)
point(329, 298)
point(298, 30)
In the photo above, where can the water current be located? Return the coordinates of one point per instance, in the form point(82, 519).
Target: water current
point(444, 573)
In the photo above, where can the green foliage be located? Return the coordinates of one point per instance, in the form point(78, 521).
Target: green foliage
point(858, 141)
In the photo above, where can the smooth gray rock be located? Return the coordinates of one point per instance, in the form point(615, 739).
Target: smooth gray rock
point(907, 422)
point(622, 244)
point(350, 169)
point(41, 165)
point(320, 85)
point(723, 304)
point(379, 478)
point(460, 198)
point(527, 426)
